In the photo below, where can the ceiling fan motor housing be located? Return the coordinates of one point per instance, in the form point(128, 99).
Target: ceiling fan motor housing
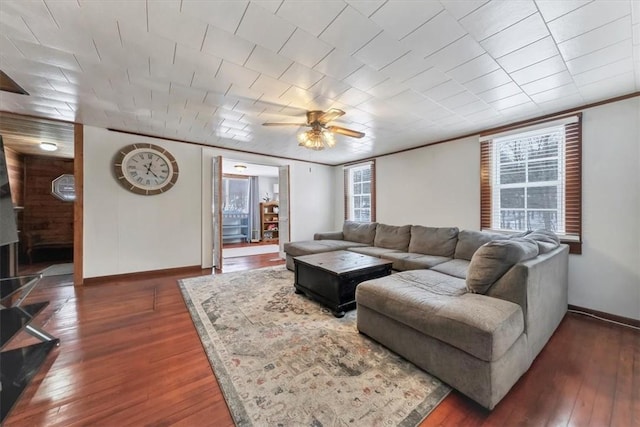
point(314, 116)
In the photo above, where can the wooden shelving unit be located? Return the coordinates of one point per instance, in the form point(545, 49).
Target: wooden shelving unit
point(269, 221)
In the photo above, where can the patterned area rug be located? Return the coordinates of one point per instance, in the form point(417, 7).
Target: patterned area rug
point(283, 360)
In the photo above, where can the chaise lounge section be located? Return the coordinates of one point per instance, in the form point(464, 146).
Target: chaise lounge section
point(353, 235)
point(472, 308)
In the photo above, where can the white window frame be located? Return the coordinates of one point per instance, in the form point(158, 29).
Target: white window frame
point(497, 209)
point(349, 186)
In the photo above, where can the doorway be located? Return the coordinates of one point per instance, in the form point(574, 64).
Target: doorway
point(43, 193)
point(248, 219)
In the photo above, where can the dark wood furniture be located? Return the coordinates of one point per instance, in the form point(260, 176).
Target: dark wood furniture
point(331, 278)
point(34, 242)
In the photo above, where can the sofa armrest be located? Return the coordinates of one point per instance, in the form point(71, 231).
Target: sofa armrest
point(329, 235)
point(540, 287)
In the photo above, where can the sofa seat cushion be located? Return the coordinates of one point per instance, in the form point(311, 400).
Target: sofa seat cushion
point(371, 250)
point(409, 261)
point(393, 237)
point(360, 232)
point(438, 306)
point(456, 268)
point(439, 241)
point(317, 246)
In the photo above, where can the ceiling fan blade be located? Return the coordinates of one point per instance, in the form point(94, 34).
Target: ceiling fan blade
point(345, 131)
point(329, 115)
point(284, 124)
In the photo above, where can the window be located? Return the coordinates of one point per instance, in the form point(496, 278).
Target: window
point(235, 193)
point(531, 179)
point(359, 192)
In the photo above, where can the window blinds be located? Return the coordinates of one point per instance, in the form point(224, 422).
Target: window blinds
point(531, 178)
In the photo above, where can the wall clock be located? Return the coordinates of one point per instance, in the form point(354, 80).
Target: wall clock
point(145, 169)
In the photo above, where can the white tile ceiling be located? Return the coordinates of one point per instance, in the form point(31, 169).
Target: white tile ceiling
point(406, 72)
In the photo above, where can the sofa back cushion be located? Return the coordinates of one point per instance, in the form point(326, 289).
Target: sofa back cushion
point(393, 236)
point(438, 241)
point(469, 241)
point(495, 258)
point(359, 232)
point(546, 240)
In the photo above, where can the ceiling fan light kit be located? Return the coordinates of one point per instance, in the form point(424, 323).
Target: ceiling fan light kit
point(320, 136)
point(316, 139)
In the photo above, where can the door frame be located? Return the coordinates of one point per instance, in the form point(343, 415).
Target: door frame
point(78, 205)
point(208, 204)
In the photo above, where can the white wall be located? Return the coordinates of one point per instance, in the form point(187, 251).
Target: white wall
point(338, 199)
point(265, 185)
point(606, 277)
point(440, 186)
point(126, 232)
point(435, 185)
point(443, 179)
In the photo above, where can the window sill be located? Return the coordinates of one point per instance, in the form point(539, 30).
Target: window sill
point(574, 247)
point(574, 242)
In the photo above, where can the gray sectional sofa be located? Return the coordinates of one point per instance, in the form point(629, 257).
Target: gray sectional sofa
point(472, 308)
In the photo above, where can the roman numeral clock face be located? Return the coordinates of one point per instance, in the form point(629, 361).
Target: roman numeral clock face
point(145, 169)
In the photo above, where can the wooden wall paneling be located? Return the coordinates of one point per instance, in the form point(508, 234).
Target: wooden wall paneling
point(46, 219)
point(24, 134)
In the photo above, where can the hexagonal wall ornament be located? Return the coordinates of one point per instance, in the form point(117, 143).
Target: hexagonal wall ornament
point(64, 187)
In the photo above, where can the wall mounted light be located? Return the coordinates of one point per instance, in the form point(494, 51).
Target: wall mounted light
point(48, 146)
point(240, 168)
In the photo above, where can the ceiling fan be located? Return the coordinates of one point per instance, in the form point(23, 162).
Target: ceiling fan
point(320, 135)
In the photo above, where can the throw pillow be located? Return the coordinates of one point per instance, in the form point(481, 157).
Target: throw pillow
point(495, 258)
point(359, 232)
point(393, 237)
point(438, 241)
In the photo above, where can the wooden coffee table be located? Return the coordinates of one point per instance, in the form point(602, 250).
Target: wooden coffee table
point(331, 277)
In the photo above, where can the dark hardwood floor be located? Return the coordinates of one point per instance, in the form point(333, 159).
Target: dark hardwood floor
point(130, 355)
